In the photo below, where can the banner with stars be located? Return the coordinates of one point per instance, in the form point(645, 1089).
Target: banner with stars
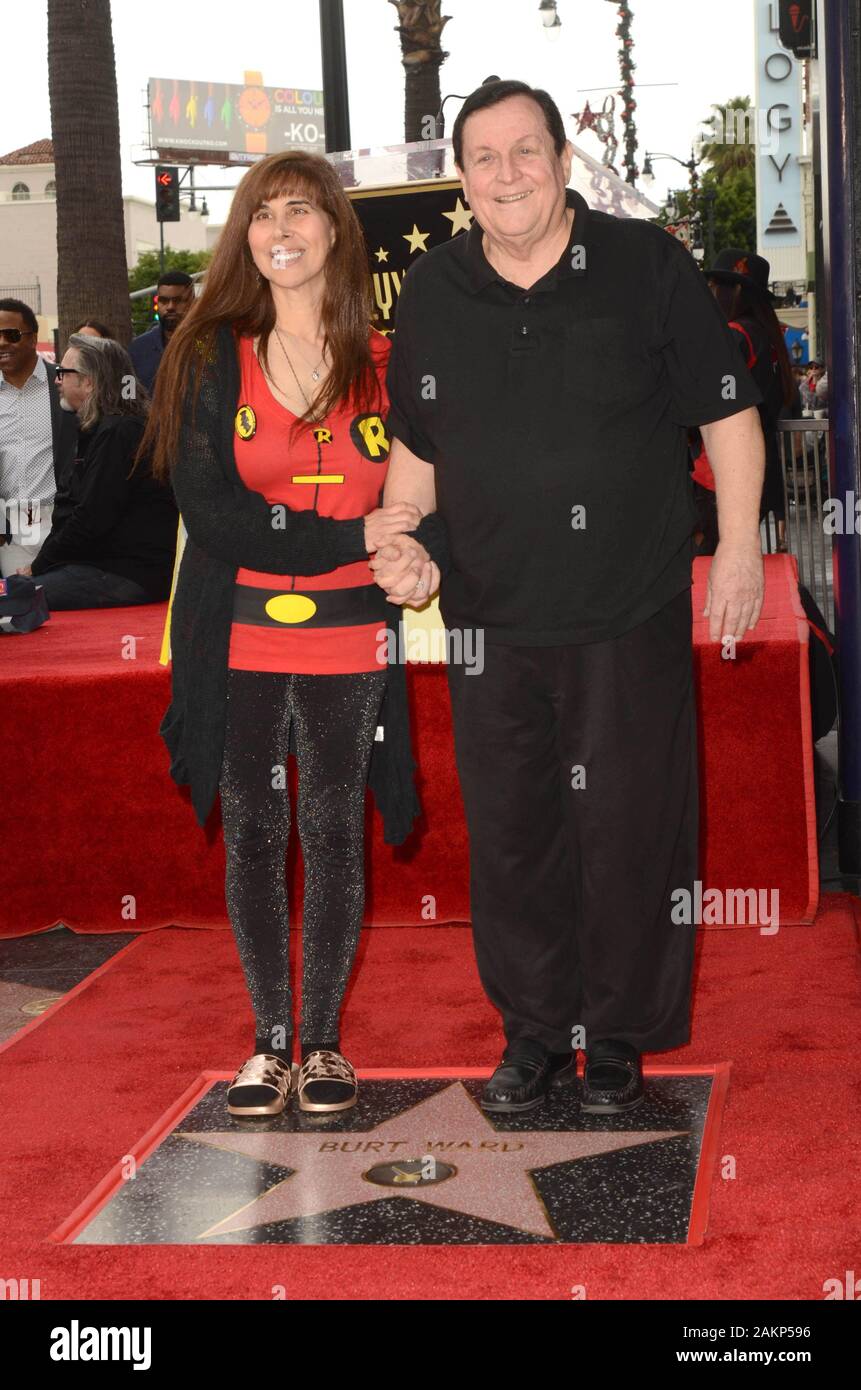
point(400, 224)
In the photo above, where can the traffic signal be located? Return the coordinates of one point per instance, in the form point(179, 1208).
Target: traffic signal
point(166, 193)
point(797, 26)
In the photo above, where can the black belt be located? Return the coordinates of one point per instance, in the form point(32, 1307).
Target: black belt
point(364, 603)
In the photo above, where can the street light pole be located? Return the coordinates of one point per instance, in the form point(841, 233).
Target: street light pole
point(710, 198)
point(691, 165)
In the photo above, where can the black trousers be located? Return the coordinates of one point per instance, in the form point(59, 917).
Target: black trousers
point(578, 768)
point(335, 719)
point(88, 586)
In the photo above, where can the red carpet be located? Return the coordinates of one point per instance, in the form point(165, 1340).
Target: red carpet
point(84, 695)
point(85, 1081)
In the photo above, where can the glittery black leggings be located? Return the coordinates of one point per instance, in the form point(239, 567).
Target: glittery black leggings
point(334, 719)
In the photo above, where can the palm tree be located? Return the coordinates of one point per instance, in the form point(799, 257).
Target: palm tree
point(727, 156)
point(420, 28)
point(92, 275)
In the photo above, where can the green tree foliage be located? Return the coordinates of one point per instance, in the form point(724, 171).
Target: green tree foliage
point(734, 209)
point(727, 173)
point(146, 272)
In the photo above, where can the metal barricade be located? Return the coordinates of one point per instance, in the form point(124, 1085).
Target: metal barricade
point(804, 459)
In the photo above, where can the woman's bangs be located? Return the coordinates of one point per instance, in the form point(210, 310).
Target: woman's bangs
point(288, 183)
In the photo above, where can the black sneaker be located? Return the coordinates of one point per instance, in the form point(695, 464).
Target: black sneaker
point(528, 1070)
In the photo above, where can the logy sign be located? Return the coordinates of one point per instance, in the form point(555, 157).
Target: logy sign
point(779, 210)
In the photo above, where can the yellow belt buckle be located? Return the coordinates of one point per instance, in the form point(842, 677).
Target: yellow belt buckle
point(290, 608)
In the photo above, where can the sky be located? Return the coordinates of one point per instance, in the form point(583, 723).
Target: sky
point(689, 54)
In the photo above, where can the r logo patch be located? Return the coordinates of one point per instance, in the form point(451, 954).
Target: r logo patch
point(369, 437)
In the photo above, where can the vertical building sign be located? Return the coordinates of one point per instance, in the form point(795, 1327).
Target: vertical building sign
point(779, 212)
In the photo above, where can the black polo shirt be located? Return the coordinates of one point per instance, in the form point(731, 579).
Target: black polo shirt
point(556, 421)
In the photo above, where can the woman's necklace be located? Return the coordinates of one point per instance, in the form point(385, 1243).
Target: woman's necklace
point(273, 383)
point(315, 371)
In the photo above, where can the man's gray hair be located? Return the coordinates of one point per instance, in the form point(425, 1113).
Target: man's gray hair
point(116, 389)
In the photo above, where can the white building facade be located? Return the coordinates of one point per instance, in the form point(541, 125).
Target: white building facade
point(28, 233)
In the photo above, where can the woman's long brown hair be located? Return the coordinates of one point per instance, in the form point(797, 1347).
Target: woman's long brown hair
point(232, 293)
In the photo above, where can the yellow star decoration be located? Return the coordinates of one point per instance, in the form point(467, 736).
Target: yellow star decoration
point(416, 239)
point(460, 219)
point(381, 255)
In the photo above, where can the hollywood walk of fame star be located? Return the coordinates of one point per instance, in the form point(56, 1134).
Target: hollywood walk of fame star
point(492, 1179)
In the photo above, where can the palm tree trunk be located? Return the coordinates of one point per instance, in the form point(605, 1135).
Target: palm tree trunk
point(92, 274)
point(420, 28)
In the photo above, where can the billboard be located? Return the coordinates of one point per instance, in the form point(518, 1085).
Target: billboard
point(226, 123)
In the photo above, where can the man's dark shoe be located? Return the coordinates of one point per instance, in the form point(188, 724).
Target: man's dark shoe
point(525, 1075)
point(612, 1078)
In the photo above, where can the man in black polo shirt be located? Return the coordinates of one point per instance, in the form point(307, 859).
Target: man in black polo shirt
point(544, 372)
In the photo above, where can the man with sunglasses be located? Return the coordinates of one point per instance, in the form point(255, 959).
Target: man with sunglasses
point(37, 438)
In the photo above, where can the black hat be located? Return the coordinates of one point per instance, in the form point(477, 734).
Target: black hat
point(735, 266)
point(23, 606)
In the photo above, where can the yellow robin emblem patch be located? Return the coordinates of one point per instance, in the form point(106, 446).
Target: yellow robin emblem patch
point(245, 422)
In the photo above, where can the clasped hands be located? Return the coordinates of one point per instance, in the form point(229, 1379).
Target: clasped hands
point(400, 564)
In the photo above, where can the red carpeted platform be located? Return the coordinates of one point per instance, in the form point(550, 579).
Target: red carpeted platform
point(80, 1085)
point(109, 843)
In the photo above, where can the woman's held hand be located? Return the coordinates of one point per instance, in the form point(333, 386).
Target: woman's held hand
point(384, 523)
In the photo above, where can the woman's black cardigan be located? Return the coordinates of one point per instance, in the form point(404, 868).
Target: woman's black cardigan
point(230, 526)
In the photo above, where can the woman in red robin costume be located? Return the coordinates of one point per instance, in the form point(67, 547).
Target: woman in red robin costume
point(269, 418)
